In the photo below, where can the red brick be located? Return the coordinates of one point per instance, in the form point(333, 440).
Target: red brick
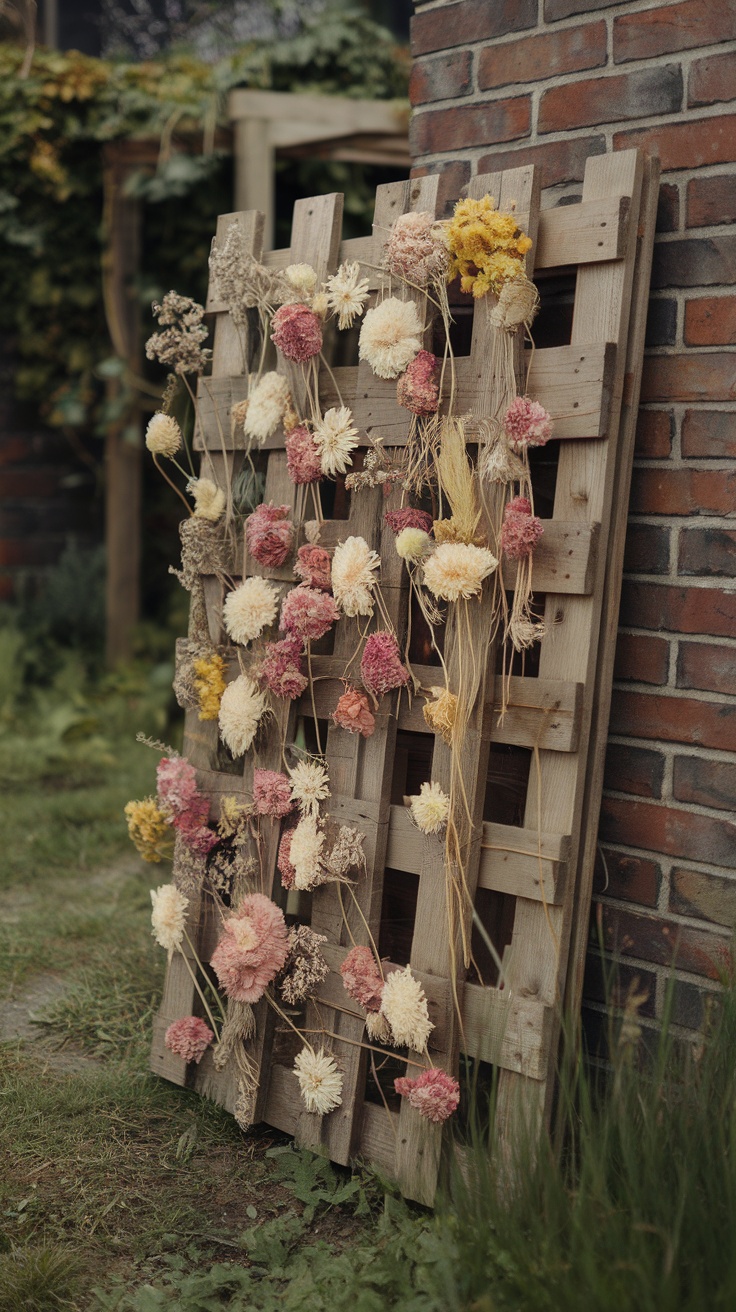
point(672, 27)
point(654, 432)
point(611, 985)
point(471, 20)
point(611, 99)
point(454, 175)
point(557, 161)
point(661, 325)
point(470, 125)
point(668, 831)
point(665, 943)
point(636, 770)
point(443, 78)
point(663, 491)
point(554, 9)
point(668, 208)
point(711, 321)
point(641, 658)
point(694, 262)
point(708, 553)
point(709, 434)
point(712, 80)
point(711, 201)
point(647, 549)
point(710, 611)
point(707, 666)
point(631, 878)
point(706, 783)
point(704, 896)
point(551, 54)
point(688, 145)
point(701, 377)
point(674, 719)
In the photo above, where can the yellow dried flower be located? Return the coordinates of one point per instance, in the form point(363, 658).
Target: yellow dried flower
point(210, 685)
point(149, 829)
point(441, 713)
point(163, 435)
point(487, 248)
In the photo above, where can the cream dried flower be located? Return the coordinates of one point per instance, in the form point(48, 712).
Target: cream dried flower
point(354, 576)
point(241, 709)
point(412, 544)
point(320, 305)
point(347, 293)
point(163, 435)
point(390, 337)
point(305, 854)
point(320, 1082)
point(267, 405)
point(457, 569)
point(209, 499)
point(168, 917)
point(310, 785)
point(404, 1004)
point(377, 1027)
point(249, 609)
point(302, 277)
point(335, 438)
point(430, 808)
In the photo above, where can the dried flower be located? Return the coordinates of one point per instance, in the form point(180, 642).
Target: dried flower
point(313, 529)
point(430, 808)
point(176, 785)
point(353, 713)
point(354, 569)
point(314, 567)
point(408, 517)
point(163, 435)
point(310, 785)
point(302, 277)
point(241, 709)
point(271, 793)
point(335, 438)
point(487, 248)
point(434, 1094)
point(526, 424)
point(267, 406)
point(415, 251)
point(252, 949)
point(269, 535)
point(404, 1005)
point(283, 860)
point(418, 389)
point(377, 1027)
point(209, 499)
point(347, 294)
point(297, 332)
point(179, 346)
point(390, 337)
point(241, 282)
point(457, 569)
point(521, 530)
point(381, 667)
point(305, 853)
point(249, 609)
point(320, 1082)
point(303, 459)
point(168, 917)
point(347, 853)
point(305, 967)
point(209, 685)
point(518, 303)
point(498, 464)
point(362, 979)
point(413, 544)
point(441, 713)
point(149, 829)
point(308, 613)
point(189, 1038)
point(524, 632)
point(281, 668)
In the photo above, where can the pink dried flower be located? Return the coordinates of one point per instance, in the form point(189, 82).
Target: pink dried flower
point(521, 530)
point(297, 332)
point(434, 1094)
point(303, 459)
point(308, 613)
point(281, 668)
point(180, 798)
point(189, 1038)
point(283, 860)
point(314, 567)
point(415, 250)
point(353, 713)
point(271, 793)
point(269, 534)
point(198, 838)
point(362, 978)
point(418, 389)
point(408, 517)
point(381, 667)
point(526, 423)
point(252, 949)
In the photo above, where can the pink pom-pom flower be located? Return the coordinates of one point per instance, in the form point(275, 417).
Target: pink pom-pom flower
point(314, 567)
point(283, 860)
point(271, 793)
point(381, 667)
point(297, 332)
point(189, 1038)
point(418, 389)
point(269, 535)
point(303, 460)
point(434, 1094)
point(281, 668)
point(408, 517)
point(521, 530)
point(252, 949)
point(362, 978)
point(353, 713)
point(526, 423)
point(180, 798)
point(308, 613)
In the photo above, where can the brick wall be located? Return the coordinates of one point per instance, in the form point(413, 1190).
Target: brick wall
point(551, 82)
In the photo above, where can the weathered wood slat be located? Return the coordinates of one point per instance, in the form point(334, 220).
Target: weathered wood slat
point(511, 1032)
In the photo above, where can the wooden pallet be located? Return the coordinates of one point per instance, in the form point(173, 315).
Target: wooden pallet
point(529, 869)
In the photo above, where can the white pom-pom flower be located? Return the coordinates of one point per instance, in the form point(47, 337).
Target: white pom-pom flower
point(163, 435)
point(430, 808)
point(320, 1082)
point(354, 576)
point(457, 569)
point(168, 916)
point(241, 709)
point(390, 337)
point(404, 1004)
point(249, 609)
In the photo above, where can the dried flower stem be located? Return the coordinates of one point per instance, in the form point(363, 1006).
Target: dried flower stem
point(367, 1047)
point(205, 977)
point(299, 1033)
point(171, 484)
point(311, 693)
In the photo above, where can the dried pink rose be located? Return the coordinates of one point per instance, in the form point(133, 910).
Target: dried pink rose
point(353, 713)
point(303, 459)
point(283, 860)
point(269, 535)
point(418, 388)
point(521, 530)
point(362, 978)
point(381, 667)
point(407, 517)
point(281, 668)
point(526, 423)
point(314, 567)
point(271, 793)
point(308, 613)
point(297, 332)
point(252, 949)
point(434, 1094)
point(189, 1038)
